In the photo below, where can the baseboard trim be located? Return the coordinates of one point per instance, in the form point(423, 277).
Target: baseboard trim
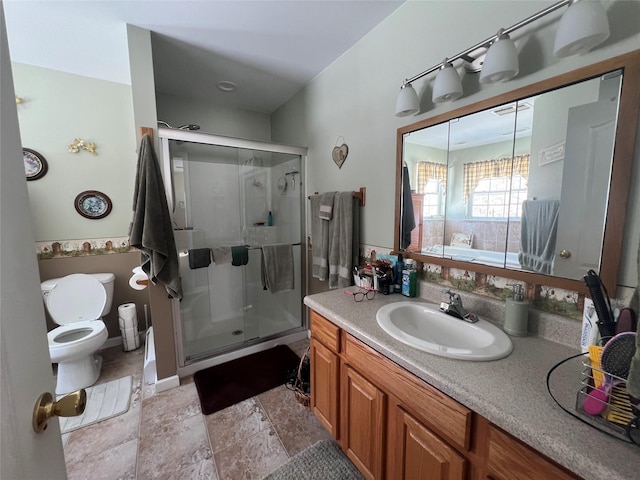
point(117, 341)
point(167, 383)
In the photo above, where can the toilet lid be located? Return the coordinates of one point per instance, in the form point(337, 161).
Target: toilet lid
point(76, 298)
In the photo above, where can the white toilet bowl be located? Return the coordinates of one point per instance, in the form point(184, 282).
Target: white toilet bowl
point(76, 303)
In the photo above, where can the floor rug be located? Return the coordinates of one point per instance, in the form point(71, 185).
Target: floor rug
point(229, 383)
point(104, 401)
point(321, 461)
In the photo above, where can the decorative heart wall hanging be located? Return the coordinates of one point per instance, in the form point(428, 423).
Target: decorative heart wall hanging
point(339, 153)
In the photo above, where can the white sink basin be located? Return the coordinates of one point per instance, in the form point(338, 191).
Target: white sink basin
point(425, 327)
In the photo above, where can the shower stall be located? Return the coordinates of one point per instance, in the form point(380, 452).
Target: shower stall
point(223, 193)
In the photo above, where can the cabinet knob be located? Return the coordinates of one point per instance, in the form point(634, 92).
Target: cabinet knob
point(564, 253)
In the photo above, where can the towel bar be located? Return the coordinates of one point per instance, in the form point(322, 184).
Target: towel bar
point(360, 195)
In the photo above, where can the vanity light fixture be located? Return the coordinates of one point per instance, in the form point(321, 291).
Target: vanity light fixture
point(501, 62)
point(407, 102)
point(447, 86)
point(583, 26)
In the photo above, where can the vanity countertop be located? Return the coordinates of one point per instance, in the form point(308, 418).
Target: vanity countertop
point(511, 392)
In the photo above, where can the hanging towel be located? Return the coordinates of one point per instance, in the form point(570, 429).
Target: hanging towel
point(151, 231)
point(239, 255)
point(408, 221)
point(277, 267)
point(199, 258)
point(344, 239)
point(320, 236)
point(633, 381)
point(538, 228)
point(221, 255)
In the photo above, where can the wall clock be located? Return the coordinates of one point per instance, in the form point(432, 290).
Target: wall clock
point(35, 166)
point(92, 204)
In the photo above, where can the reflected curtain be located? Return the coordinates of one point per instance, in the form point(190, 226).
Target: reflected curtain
point(503, 167)
point(429, 170)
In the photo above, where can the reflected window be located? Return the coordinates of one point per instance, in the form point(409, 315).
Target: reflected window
point(432, 200)
point(498, 197)
point(432, 179)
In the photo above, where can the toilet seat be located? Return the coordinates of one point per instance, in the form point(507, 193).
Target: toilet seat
point(76, 333)
point(76, 298)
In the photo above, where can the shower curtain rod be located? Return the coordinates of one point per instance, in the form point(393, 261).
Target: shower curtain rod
point(360, 195)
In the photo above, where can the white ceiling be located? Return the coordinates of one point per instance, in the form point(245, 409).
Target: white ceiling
point(269, 48)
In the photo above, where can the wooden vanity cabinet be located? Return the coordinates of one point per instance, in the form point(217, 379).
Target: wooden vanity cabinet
point(393, 425)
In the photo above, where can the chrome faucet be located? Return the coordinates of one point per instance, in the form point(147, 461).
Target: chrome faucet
point(455, 308)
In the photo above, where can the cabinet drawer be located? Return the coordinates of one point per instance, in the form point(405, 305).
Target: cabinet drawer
point(434, 408)
point(510, 459)
point(325, 331)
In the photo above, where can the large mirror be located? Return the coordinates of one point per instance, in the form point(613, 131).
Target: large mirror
point(534, 181)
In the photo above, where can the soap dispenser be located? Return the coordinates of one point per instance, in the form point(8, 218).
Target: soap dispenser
point(516, 318)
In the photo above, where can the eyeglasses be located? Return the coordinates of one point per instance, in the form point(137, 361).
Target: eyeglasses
point(361, 294)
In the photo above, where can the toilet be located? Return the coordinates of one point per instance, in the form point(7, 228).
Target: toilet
point(77, 303)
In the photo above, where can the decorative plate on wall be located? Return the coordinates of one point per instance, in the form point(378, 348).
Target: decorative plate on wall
point(35, 166)
point(93, 204)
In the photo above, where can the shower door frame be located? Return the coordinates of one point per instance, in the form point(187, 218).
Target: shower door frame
point(167, 134)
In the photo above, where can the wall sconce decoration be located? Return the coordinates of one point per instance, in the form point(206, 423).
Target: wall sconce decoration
point(93, 204)
point(35, 166)
point(79, 144)
point(340, 152)
point(583, 26)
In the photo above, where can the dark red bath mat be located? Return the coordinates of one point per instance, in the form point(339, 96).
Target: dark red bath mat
point(229, 383)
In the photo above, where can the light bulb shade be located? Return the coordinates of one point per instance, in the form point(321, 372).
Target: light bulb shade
point(407, 102)
point(447, 86)
point(501, 62)
point(583, 26)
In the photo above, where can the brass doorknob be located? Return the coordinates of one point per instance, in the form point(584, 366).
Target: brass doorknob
point(565, 253)
point(68, 406)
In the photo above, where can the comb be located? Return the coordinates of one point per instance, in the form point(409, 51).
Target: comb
point(620, 410)
point(595, 352)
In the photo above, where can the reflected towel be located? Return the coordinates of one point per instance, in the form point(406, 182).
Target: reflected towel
point(239, 255)
point(408, 221)
point(633, 381)
point(277, 267)
point(320, 236)
point(199, 258)
point(221, 255)
point(151, 231)
point(538, 228)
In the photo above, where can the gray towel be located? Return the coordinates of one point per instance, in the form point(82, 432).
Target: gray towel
point(221, 255)
point(320, 236)
point(408, 220)
point(538, 228)
point(151, 231)
point(344, 239)
point(277, 267)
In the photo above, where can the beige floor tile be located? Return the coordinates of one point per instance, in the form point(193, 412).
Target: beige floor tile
point(102, 436)
point(118, 462)
point(297, 427)
point(167, 408)
point(232, 424)
point(251, 458)
point(181, 445)
point(117, 363)
point(300, 346)
point(204, 470)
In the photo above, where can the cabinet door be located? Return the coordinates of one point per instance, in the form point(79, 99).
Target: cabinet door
point(325, 379)
point(419, 454)
point(362, 423)
point(510, 459)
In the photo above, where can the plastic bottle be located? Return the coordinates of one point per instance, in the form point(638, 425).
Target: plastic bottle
point(270, 219)
point(516, 317)
point(409, 279)
point(397, 275)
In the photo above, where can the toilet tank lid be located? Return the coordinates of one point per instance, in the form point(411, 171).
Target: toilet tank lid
point(104, 278)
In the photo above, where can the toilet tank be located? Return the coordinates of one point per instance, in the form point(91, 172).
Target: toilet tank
point(107, 280)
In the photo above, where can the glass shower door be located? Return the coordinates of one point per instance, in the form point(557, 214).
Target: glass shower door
point(222, 199)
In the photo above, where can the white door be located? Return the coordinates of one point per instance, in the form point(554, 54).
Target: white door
point(585, 187)
point(25, 366)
